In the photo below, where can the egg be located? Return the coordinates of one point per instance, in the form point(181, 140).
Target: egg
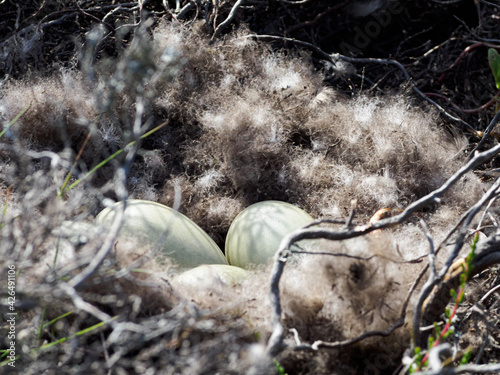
point(255, 234)
point(212, 275)
point(151, 224)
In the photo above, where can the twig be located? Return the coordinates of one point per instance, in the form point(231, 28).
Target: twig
point(81, 304)
point(332, 254)
point(432, 255)
point(182, 12)
point(296, 336)
point(425, 313)
point(354, 204)
point(337, 56)
point(335, 345)
point(103, 251)
point(431, 198)
point(275, 343)
point(479, 369)
point(228, 20)
point(490, 292)
point(298, 2)
point(92, 16)
point(318, 17)
point(121, 192)
point(326, 221)
point(480, 223)
point(457, 108)
point(435, 362)
point(481, 313)
point(462, 55)
point(487, 132)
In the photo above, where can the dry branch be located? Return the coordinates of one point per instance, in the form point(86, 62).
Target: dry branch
point(488, 254)
point(228, 20)
point(478, 369)
point(482, 261)
point(334, 57)
point(426, 313)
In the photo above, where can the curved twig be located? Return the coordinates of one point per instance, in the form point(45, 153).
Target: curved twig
point(432, 301)
point(337, 56)
point(275, 343)
point(488, 255)
point(486, 133)
point(228, 20)
point(479, 369)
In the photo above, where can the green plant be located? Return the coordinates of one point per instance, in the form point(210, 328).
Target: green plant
point(79, 333)
point(279, 368)
point(15, 119)
point(421, 357)
point(494, 59)
point(4, 211)
point(65, 187)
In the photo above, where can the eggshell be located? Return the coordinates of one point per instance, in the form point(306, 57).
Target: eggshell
point(255, 234)
point(152, 224)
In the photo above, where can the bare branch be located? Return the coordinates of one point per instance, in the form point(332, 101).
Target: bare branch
point(337, 56)
point(490, 292)
point(432, 301)
point(354, 204)
point(81, 304)
point(431, 198)
point(487, 132)
point(479, 369)
point(103, 251)
point(481, 313)
point(275, 343)
point(435, 354)
point(298, 2)
point(432, 255)
point(332, 254)
point(228, 20)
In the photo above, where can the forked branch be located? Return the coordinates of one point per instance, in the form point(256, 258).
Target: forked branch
point(485, 259)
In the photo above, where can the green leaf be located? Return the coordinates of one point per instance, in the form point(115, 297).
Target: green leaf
point(79, 333)
point(14, 120)
point(453, 293)
point(64, 188)
point(279, 368)
point(466, 358)
point(461, 296)
point(494, 59)
point(430, 340)
point(448, 334)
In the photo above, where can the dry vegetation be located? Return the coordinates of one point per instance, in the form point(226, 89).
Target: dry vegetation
point(239, 118)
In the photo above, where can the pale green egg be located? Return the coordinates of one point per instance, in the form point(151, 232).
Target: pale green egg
point(255, 234)
point(211, 275)
point(154, 225)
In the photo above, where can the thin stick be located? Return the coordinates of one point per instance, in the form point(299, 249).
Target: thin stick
point(15, 119)
point(68, 176)
point(228, 20)
point(432, 255)
point(337, 56)
point(109, 158)
point(275, 343)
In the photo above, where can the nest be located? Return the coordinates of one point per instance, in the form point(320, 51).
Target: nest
point(236, 120)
